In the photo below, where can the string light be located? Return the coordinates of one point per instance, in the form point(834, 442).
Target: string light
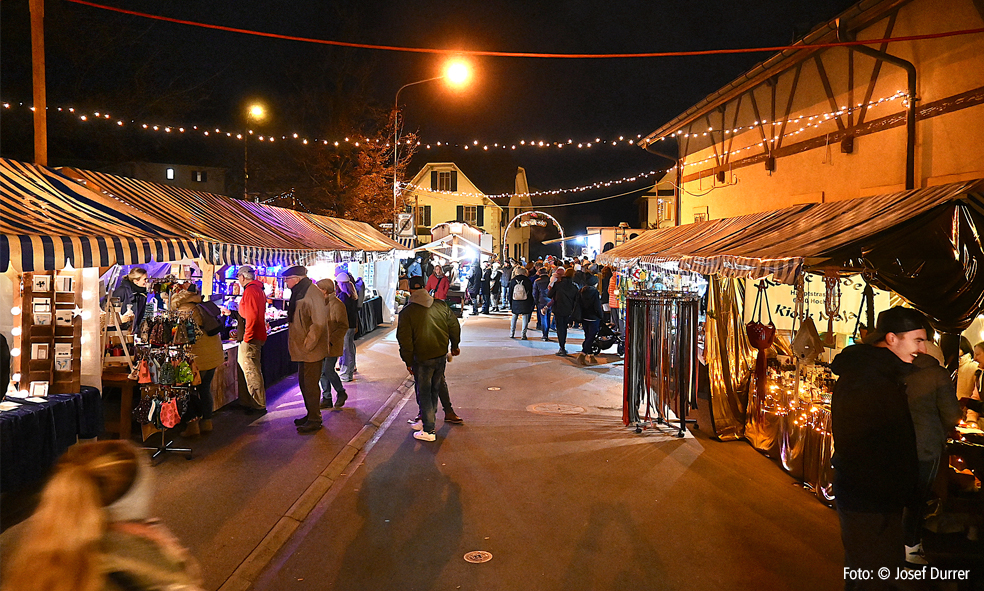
point(592, 186)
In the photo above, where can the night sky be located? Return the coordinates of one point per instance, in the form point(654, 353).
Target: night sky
point(96, 58)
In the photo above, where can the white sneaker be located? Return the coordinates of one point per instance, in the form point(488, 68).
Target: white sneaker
point(418, 426)
point(914, 554)
point(424, 436)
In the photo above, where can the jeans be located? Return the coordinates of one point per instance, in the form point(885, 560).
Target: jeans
point(486, 297)
point(590, 331)
point(915, 511)
point(427, 378)
point(545, 318)
point(505, 296)
point(512, 323)
point(330, 379)
point(347, 366)
point(445, 396)
point(249, 361)
point(562, 323)
point(204, 393)
point(308, 374)
point(619, 319)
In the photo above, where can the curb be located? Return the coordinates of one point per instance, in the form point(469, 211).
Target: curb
point(250, 568)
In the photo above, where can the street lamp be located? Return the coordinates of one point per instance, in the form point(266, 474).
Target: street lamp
point(256, 112)
point(457, 73)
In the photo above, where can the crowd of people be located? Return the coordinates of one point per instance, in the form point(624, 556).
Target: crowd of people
point(561, 294)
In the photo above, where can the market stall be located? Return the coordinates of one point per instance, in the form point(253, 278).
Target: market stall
point(232, 233)
point(56, 235)
point(921, 246)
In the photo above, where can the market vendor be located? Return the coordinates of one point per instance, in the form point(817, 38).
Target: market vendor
point(132, 293)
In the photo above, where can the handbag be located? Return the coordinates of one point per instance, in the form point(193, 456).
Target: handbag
point(142, 412)
point(169, 414)
point(761, 336)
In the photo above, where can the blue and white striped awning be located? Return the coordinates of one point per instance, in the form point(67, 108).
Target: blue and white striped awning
point(48, 221)
point(408, 242)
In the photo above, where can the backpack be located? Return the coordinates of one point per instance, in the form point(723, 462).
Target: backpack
point(210, 318)
point(519, 291)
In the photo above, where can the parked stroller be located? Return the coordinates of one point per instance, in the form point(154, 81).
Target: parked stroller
point(607, 336)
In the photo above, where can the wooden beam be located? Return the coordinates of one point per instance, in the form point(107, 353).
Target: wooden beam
point(789, 104)
point(734, 125)
point(830, 91)
point(876, 69)
point(957, 102)
point(766, 146)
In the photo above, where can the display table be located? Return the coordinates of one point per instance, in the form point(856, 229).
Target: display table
point(275, 359)
point(35, 435)
point(370, 315)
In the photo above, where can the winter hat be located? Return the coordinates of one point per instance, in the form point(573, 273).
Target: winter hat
point(295, 271)
point(559, 272)
point(416, 282)
point(343, 276)
point(896, 320)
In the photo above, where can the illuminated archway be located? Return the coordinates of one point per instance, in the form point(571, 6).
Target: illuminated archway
point(534, 213)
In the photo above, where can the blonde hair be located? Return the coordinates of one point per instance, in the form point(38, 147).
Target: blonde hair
point(64, 533)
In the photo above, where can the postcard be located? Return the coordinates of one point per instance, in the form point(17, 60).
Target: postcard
point(42, 283)
point(39, 350)
point(41, 305)
point(42, 318)
point(64, 317)
point(64, 283)
point(63, 364)
point(38, 390)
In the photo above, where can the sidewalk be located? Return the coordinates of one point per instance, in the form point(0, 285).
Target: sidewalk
point(544, 477)
point(252, 471)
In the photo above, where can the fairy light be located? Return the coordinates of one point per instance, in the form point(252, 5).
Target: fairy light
point(592, 186)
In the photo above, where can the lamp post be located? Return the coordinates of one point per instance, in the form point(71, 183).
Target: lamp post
point(457, 74)
point(254, 113)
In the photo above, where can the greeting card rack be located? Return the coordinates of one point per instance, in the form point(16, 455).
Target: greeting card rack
point(47, 332)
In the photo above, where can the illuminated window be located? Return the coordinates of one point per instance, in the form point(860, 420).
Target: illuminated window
point(169, 174)
point(199, 176)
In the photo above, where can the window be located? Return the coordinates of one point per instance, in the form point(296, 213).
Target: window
point(423, 215)
point(444, 181)
point(169, 174)
point(470, 215)
point(199, 176)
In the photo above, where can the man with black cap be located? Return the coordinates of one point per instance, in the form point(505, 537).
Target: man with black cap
point(425, 329)
point(307, 342)
point(875, 459)
point(252, 309)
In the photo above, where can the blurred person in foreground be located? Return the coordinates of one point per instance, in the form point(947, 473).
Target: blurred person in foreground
point(425, 329)
point(876, 466)
point(92, 529)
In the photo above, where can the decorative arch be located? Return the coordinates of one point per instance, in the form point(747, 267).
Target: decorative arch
point(505, 234)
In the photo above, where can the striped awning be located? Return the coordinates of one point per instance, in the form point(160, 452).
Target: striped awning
point(240, 232)
point(786, 242)
point(407, 242)
point(48, 222)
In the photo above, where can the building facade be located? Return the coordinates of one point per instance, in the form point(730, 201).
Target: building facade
point(834, 123)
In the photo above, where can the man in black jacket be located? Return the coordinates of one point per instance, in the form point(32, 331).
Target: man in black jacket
point(562, 295)
point(875, 460)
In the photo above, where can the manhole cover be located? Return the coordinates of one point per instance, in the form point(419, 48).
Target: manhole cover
point(478, 557)
point(494, 388)
point(555, 408)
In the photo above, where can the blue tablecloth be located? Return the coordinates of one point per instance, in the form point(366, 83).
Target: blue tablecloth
point(34, 436)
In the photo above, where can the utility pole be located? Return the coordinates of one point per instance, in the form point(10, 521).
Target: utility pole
point(40, 100)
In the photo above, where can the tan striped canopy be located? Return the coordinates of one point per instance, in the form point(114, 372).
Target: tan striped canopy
point(47, 222)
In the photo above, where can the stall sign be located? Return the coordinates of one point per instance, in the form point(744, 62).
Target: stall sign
point(782, 302)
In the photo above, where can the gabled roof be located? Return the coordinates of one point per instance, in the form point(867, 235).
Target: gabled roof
point(859, 16)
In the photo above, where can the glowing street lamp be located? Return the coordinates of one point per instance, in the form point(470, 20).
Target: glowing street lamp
point(457, 73)
point(254, 113)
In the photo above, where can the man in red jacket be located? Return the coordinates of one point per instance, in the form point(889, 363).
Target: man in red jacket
point(252, 307)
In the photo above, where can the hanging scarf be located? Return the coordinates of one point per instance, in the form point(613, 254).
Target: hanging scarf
point(297, 294)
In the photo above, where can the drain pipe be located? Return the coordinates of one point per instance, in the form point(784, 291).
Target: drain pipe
point(910, 116)
point(678, 215)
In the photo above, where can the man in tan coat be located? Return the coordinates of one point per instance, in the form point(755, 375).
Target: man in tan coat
point(307, 341)
point(337, 325)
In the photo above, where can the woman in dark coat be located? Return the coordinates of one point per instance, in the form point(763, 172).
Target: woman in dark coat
point(132, 293)
point(541, 300)
point(589, 306)
point(520, 307)
point(562, 295)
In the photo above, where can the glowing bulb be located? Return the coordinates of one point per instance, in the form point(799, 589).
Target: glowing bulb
point(86, 315)
point(16, 331)
point(15, 352)
point(16, 377)
point(15, 311)
point(86, 295)
point(457, 73)
point(256, 111)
